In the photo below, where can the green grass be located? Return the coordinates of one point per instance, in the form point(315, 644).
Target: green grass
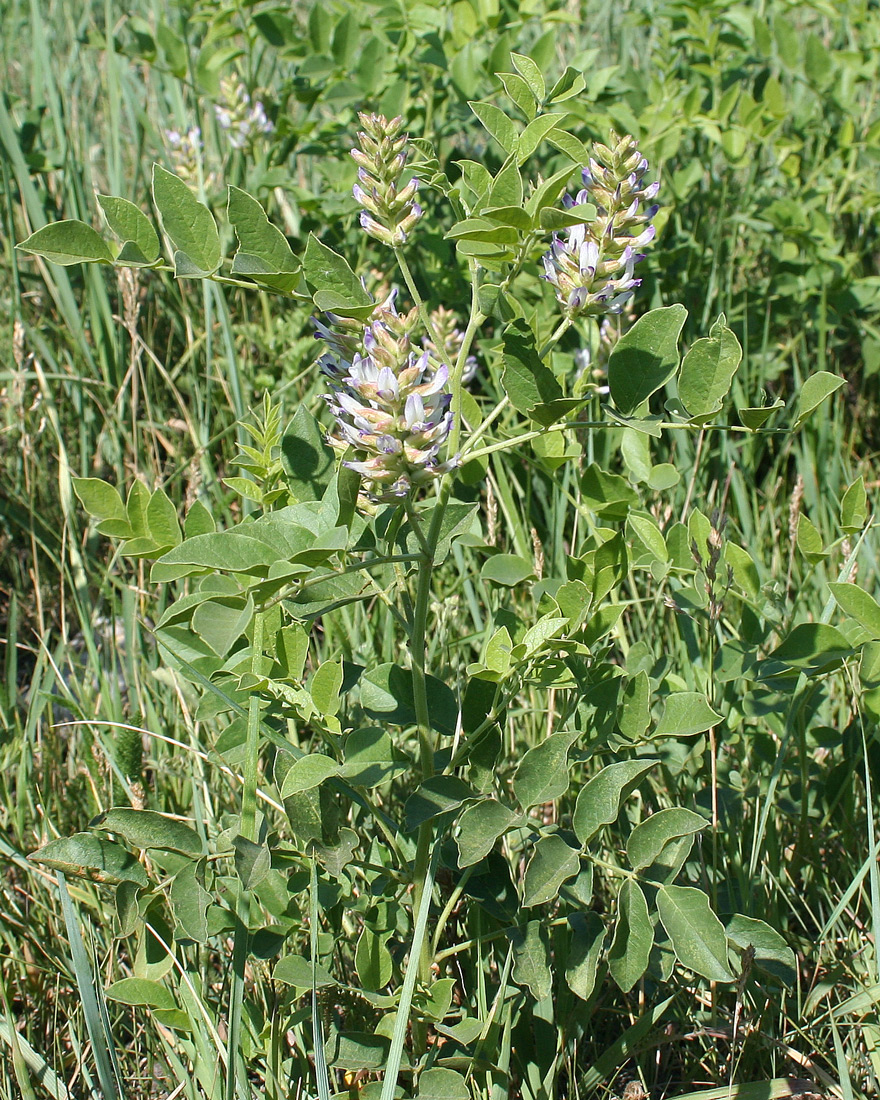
point(151, 380)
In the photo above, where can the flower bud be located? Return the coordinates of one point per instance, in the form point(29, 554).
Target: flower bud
point(591, 265)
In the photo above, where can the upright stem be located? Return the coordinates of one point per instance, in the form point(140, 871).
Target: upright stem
point(248, 830)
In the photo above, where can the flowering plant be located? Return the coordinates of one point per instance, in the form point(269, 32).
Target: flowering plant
point(384, 799)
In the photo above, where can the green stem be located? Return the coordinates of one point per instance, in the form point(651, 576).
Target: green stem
point(417, 298)
point(248, 830)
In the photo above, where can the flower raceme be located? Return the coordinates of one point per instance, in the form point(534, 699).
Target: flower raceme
point(390, 211)
point(591, 266)
point(391, 405)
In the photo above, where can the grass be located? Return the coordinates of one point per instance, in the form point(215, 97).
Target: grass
point(151, 378)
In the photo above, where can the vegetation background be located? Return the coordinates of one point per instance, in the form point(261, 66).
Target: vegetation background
point(763, 123)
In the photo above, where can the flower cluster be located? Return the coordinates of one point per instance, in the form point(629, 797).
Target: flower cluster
point(591, 266)
point(185, 152)
point(241, 119)
point(390, 211)
point(391, 405)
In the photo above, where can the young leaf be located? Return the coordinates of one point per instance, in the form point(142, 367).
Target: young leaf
point(263, 252)
point(542, 774)
point(633, 937)
point(854, 507)
point(599, 802)
point(334, 284)
point(140, 241)
point(147, 829)
point(645, 358)
point(531, 958)
point(90, 857)
point(531, 73)
point(308, 772)
point(707, 371)
point(686, 713)
point(498, 125)
point(553, 862)
point(584, 949)
point(479, 828)
point(697, 934)
point(435, 796)
point(530, 385)
point(68, 242)
point(649, 838)
point(858, 604)
point(372, 959)
point(814, 391)
point(189, 224)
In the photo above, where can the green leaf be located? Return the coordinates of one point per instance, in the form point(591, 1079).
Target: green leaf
point(140, 241)
point(507, 569)
point(648, 839)
point(307, 461)
point(859, 605)
point(584, 949)
point(190, 901)
point(371, 758)
point(814, 391)
point(442, 1084)
point(854, 507)
point(645, 528)
point(529, 384)
point(634, 712)
point(697, 934)
point(100, 500)
point(148, 829)
point(162, 523)
point(536, 131)
point(223, 551)
point(772, 953)
point(686, 713)
point(263, 252)
point(519, 93)
point(645, 358)
point(68, 242)
point(437, 795)
point(252, 861)
point(479, 828)
point(297, 971)
point(506, 189)
point(357, 1050)
point(553, 862)
point(542, 774)
point(140, 991)
point(387, 696)
point(221, 622)
point(630, 949)
point(90, 857)
point(570, 84)
point(609, 495)
point(335, 285)
point(531, 74)
point(599, 802)
point(812, 647)
point(372, 959)
point(325, 687)
point(756, 418)
point(308, 772)
point(809, 541)
point(707, 371)
point(498, 125)
point(531, 958)
point(189, 225)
